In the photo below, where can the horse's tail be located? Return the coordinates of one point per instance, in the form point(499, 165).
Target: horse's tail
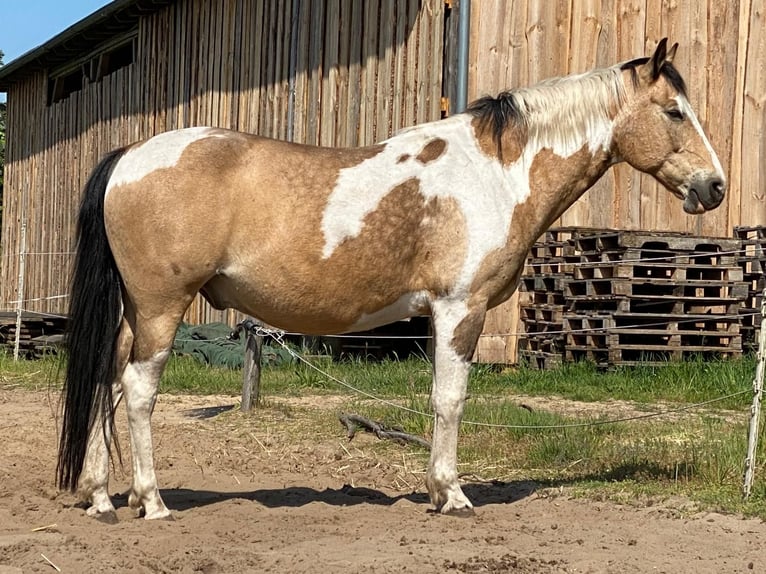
point(95, 311)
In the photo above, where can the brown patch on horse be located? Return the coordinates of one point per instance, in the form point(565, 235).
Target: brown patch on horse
point(432, 151)
point(402, 158)
point(501, 269)
point(507, 149)
point(467, 332)
point(408, 244)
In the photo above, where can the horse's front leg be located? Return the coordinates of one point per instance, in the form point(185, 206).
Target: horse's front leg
point(456, 330)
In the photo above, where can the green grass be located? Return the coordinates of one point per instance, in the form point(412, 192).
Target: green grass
point(698, 455)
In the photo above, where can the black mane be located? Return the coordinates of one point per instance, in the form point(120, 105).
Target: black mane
point(668, 71)
point(496, 114)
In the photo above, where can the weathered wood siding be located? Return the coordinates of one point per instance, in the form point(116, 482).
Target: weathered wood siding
point(359, 71)
point(722, 57)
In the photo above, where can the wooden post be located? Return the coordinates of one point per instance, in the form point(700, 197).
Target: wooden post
point(755, 409)
point(20, 294)
point(251, 371)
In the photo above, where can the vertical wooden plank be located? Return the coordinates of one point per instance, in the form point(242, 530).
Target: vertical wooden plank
point(631, 26)
point(520, 52)
point(435, 65)
point(603, 192)
point(582, 55)
point(330, 76)
point(345, 100)
point(352, 123)
point(302, 75)
point(257, 84)
point(316, 70)
point(265, 118)
point(386, 22)
point(276, 63)
point(754, 120)
point(734, 195)
point(712, 72)
point(369, 73)
point(399, 83)
point(411, 65)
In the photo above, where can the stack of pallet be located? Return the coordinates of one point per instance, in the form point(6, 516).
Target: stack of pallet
point(631, 297)
point(549, 265)
point(39, 334)
point(752, 260)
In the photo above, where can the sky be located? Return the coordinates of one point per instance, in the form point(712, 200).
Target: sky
point(25, 24)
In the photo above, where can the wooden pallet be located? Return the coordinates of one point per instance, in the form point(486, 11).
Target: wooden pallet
point(39, 334)
point(655, 289)
point(632, 296)
point(662, 305)
point(653, 241)
point(753, 263)
point(678, 271)
point(540, 360)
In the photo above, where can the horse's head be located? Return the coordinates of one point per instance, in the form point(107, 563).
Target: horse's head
point(657, 132)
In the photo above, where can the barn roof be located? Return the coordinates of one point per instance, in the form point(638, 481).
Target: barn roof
point(80, 39)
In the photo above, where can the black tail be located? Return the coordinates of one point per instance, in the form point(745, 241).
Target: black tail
point(95, 310)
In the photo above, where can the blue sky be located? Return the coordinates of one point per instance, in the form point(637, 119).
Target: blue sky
point(25, 24)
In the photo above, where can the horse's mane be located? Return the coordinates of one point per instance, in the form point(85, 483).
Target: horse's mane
point(668, 71)
point(558, 110)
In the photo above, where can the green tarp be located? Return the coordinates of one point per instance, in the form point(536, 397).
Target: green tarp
point(211, 344)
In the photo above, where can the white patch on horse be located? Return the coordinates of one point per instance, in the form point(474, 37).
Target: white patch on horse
point(687, 110)
point(139, 383)
point(485, 190)
point(408, 305)
point(159, 152)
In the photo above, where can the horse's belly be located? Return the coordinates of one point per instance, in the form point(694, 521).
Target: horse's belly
point(314, 308)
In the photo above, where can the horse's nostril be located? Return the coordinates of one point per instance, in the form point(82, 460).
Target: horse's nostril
point(717, 188)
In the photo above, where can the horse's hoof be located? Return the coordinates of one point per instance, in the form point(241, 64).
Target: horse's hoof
point(462, 512)
point(109, 517)
point(167, 517)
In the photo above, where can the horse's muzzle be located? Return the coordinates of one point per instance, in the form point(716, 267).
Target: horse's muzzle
point(705, 193)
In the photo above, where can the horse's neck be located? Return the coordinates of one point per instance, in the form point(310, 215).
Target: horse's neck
point(556, 182)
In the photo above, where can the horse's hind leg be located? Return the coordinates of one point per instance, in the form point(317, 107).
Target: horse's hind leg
point(153, 339)
point(94, 479)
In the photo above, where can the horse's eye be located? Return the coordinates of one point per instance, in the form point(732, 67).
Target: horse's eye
point(675, 114)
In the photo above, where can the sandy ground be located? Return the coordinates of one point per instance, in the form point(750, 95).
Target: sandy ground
point(258, 494)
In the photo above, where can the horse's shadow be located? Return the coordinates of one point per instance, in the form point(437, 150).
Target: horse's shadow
point(481, 494)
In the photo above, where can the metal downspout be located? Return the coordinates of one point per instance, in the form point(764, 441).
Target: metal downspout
point(463, 35)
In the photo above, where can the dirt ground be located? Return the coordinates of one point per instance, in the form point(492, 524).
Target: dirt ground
point(251, 494)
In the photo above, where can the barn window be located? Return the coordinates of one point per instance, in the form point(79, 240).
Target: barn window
point(63, 85)
point(92, 68)
point(114, 59)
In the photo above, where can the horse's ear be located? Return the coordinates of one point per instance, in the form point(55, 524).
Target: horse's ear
point(671, 53)
point(658, 59)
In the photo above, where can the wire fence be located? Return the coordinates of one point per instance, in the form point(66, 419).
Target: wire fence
point(21, 305)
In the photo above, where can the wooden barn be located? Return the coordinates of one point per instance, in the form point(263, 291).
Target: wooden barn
point(347, 73)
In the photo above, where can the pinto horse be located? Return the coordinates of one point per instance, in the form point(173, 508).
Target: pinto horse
point(436, 220)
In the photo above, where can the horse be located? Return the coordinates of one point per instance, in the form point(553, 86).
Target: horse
point(435, 221)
